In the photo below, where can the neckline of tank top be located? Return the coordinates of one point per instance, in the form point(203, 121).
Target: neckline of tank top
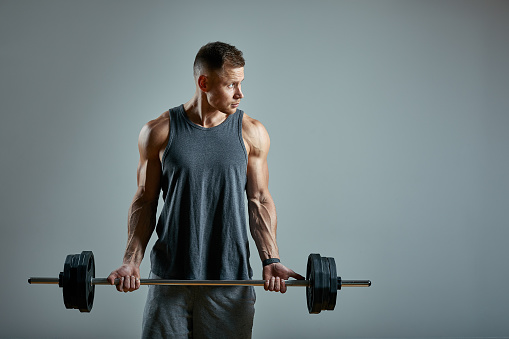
point(183, 113)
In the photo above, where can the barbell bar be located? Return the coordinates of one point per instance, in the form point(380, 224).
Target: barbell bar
point(170, 282)
point(78, 282)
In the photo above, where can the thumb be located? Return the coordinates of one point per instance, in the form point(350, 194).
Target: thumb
point(295, 275)
point(111, 278)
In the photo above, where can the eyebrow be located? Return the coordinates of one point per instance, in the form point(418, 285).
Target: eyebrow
point(232, 80)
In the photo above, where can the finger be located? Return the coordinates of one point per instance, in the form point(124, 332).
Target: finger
point(283, 286)
point(120, 286)
point(277, 284)
point(266, 285)
point(130, 279)
point(271, 283)
point(138, 283)
point(127, 284)
point(133, 283)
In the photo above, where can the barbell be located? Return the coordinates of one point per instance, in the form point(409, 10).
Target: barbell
point(78, 282)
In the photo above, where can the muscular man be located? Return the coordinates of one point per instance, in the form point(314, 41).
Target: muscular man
point(205, 156)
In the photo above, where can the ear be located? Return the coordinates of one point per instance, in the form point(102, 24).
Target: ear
point(203, 83)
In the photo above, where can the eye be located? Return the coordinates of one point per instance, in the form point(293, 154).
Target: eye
point(231, 85)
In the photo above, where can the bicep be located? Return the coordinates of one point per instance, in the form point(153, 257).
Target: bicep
point(257, 169)
point(149, 167)
point(149, 178)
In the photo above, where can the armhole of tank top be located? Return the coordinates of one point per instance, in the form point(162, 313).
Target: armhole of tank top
point(241, 119)
point(170, 137)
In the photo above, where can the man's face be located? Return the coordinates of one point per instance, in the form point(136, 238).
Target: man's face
point(224, 92)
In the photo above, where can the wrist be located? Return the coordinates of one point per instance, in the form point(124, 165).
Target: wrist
point(132, 259)
point(270, 261)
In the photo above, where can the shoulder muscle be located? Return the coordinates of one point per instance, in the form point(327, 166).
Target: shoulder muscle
point(154, 136)
point(255, 135)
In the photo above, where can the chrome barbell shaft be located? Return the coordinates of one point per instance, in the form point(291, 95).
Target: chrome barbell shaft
point(41, 280)
point(169, 282)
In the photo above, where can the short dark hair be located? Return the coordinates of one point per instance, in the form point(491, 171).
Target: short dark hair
point(214, 55)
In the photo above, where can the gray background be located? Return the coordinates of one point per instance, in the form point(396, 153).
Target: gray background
point(388, 122)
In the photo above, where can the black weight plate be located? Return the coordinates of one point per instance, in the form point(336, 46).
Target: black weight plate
point(326, 282)
point(314, 292)
point(66, 276)
point(333, 292)
point(69, 281)
point(85, 289)
point(310, 277)
point(90, 287)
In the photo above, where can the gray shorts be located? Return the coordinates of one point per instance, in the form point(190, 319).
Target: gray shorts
point(198, 311)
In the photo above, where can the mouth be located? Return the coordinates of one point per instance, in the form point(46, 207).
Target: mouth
point(236, 104)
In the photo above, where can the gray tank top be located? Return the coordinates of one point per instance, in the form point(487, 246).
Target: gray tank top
point(202, 229)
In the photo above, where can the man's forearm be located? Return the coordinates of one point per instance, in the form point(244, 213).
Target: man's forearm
point(263, 226)
point(141, 223)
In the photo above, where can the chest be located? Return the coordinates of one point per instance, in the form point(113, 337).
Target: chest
point(206, 150)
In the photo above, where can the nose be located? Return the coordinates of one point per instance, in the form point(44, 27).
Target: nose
point(238, 93)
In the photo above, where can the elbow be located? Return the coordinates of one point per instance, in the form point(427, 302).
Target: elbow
point(258, 198)
point(145, 197)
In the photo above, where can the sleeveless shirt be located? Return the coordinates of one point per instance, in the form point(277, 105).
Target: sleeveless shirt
point(202, 228)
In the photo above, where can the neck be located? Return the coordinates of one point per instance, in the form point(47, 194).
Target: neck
point(200, 112)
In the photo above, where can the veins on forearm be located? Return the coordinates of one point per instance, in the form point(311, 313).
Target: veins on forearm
point(141, 223)
point(263, 225)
